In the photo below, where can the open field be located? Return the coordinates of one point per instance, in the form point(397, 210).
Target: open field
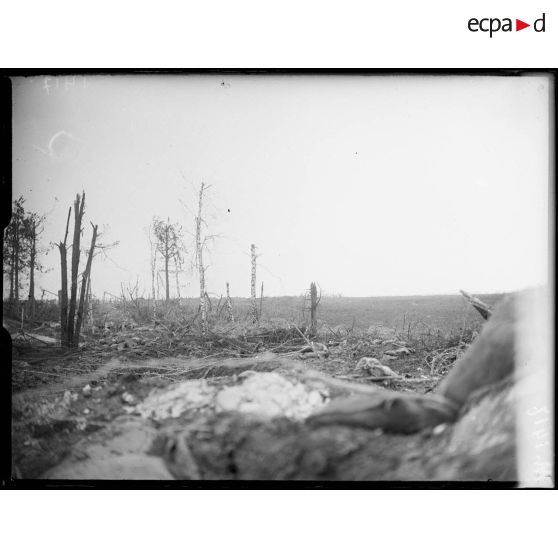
point(421, 313)
point(438, 312)
point(443, 314)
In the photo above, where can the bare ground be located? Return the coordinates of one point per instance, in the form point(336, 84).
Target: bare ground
point(76, 414)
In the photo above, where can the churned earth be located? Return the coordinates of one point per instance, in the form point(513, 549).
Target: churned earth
point(230, 408)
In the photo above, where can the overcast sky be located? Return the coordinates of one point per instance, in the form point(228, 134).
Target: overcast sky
point(367, 185)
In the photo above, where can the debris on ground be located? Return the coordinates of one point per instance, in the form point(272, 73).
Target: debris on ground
point(399, 351)
point(314, 350)
point(166, 402)
point(374, 368)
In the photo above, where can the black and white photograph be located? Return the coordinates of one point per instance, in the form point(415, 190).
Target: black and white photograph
point(279, 277)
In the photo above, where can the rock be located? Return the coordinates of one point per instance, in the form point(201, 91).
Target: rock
point(128, 398)
point(68, 398)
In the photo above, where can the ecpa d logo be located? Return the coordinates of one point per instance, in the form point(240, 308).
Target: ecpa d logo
point(492, 25)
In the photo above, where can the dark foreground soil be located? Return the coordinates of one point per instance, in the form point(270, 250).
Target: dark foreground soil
point(78, 415)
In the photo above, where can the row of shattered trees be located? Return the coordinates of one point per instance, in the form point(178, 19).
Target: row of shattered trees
point(21, 260)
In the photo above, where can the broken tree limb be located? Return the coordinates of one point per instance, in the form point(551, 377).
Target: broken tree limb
point(84, 283)
point(78, 217)
point(63, 293)
point(481, 307)
point(310, 344)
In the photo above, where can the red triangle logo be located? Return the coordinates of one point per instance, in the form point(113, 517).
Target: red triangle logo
point(519, 25)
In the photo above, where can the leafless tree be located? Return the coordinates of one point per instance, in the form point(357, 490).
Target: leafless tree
point(200, 242)
point(169, 245)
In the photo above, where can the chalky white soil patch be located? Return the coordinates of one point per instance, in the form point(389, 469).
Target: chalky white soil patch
point(271, 395)
point(267, 395)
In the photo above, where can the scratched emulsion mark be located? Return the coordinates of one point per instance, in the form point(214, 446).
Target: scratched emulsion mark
point(63, 83)
point(62, 148)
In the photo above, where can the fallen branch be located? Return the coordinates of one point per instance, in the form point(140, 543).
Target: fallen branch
point(42, 338)
point(310, 344)
point(481, 307)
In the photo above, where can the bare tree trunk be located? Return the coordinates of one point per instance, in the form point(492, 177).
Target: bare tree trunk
point(12, 241)
point(78, 216)
point(167, 257)
point(261, 301)
point(16, 261)
point(230, 316)
point(153, 268)
point(176, 272)
point(313, 308)
point(254, 310)
point(90, 305)
point(12, 284)
point(31, 297)
point(84, 282)
point(123, 295)
point(199, 258)
point(63, 293)
point(203, 304)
